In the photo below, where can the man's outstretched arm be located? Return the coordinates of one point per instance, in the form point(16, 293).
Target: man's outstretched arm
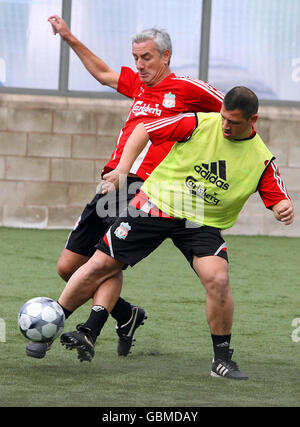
point(95, 66)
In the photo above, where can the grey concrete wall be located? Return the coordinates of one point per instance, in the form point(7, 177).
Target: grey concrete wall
point(52, 151)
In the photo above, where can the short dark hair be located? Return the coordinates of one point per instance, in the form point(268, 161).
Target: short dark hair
point(243, 99)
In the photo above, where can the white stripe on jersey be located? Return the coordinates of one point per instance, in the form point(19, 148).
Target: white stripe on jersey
point(119, 137)
point(118, 140)
point(158, 124)
point(205, 86)
point(138, 162)
point(279, 179)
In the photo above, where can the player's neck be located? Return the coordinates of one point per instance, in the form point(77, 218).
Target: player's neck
point(249, 133)
point(160, 77)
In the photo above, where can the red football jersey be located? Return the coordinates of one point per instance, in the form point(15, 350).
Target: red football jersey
point(171, 96)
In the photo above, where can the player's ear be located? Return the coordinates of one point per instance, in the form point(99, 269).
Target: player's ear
point(253, 119)
point(166, 57)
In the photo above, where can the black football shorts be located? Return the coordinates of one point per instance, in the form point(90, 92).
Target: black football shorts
point(133, 237)
point(98, 215)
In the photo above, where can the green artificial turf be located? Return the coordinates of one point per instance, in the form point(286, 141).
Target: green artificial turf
point(170, 363)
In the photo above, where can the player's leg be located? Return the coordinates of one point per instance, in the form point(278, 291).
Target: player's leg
point(128, 316)
point(213, 273)
point(84, 338)
point(126, 326)
point(205, 249)
point(100, 271)
point(148, 234)
point(129, 240)
point(85, 281)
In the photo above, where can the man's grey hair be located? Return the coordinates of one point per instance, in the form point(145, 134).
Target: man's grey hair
point(160, 37)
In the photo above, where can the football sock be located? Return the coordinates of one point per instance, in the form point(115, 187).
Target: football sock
point(67, 312)
point(122, 311)
point(221, 345)
point(97, 319)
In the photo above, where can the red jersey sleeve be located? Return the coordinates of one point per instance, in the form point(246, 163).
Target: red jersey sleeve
point(199, 95)
point(271, 187)
point(177, 128)
point(128, 81)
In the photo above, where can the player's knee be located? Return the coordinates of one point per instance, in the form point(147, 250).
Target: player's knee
point(64, 269)
point(217, 286)
point(69, 262)
point(102, 265)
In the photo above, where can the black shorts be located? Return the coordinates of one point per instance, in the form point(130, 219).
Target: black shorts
point(97, 217)
point(132, 238)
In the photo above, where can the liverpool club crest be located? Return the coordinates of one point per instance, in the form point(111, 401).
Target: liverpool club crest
point(122, 231)
point(169, 100)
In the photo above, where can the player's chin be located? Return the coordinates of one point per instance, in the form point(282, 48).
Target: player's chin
point(145, 78)
point(227, 135)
